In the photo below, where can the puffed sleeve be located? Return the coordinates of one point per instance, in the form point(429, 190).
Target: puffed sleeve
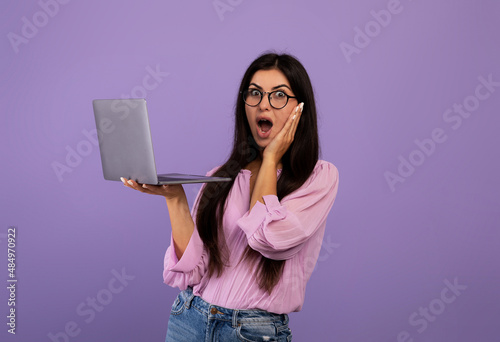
point(278, 230)
point(190, 269)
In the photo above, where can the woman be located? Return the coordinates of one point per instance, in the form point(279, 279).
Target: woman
point(245, 253)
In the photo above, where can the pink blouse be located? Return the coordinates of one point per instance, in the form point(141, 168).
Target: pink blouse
point(291, 229)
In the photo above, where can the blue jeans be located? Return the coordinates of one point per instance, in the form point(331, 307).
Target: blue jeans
point(194, 320)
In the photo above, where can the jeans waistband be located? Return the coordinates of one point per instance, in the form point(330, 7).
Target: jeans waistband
point(231, 315)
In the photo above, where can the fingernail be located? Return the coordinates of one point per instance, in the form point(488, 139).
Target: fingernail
point(144, 185)
point(297, 109)
point(122, 179)
point(294, 117)
point(301, 106)
point(130, 182)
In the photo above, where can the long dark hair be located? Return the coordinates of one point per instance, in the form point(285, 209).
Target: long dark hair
point(298, 163)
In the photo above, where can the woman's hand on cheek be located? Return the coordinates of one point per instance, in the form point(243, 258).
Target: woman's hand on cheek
point(282, 141)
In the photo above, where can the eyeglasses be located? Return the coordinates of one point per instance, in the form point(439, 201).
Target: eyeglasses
point(277, 99)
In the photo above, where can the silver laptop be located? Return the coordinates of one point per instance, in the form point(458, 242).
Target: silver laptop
point(126, 146)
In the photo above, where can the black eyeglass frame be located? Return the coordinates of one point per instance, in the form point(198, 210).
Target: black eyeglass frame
point(288, 97)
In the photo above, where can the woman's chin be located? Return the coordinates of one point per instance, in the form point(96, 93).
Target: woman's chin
point(262, 145)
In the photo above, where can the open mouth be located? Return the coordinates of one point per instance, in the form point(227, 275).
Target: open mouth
point(264, 125)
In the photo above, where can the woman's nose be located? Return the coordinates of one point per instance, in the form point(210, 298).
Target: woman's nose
point(264, 104)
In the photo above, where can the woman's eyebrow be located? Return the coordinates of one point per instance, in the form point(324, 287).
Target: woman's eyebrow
point(278, 86)
point(255, 85)
point(281, 85)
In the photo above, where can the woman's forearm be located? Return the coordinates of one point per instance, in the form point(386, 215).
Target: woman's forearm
point(266, 182)
point(181, 222)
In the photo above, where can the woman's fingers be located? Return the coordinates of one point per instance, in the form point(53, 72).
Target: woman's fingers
point(156, 189)
point(150, 189)
point(286, 128)
point(290, 123)
point(130, 183)
point(293, 122)
point(169, 191)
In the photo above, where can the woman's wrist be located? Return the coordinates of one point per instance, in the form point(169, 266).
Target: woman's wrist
point(177, 197)
point(266, 182)
point(178, 206)
point(175, 201)
point(270, 163)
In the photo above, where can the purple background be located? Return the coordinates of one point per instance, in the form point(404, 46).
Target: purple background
point(387, 254)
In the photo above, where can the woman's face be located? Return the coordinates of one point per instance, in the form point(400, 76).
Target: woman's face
point(264, 120)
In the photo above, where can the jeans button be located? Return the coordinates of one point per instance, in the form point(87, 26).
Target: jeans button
point(213, 311)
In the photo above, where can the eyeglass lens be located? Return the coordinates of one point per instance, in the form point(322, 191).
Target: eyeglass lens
point(278, 99)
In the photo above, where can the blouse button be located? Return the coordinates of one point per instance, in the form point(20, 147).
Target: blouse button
point(213, 311)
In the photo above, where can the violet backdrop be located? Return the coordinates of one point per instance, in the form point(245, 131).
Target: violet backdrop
point(408, 95)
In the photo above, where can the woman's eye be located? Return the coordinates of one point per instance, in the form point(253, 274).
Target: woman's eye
point(254, 92)
point(280, 94)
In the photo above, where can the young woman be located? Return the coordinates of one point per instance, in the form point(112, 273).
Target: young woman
point(242, 258)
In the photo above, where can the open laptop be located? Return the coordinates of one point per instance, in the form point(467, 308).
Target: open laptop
point(126, 146)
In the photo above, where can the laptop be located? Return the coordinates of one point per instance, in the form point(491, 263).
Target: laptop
point(126, 147)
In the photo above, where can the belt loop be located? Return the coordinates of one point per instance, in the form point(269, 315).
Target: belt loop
point(190, 298)
point(235, 318)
